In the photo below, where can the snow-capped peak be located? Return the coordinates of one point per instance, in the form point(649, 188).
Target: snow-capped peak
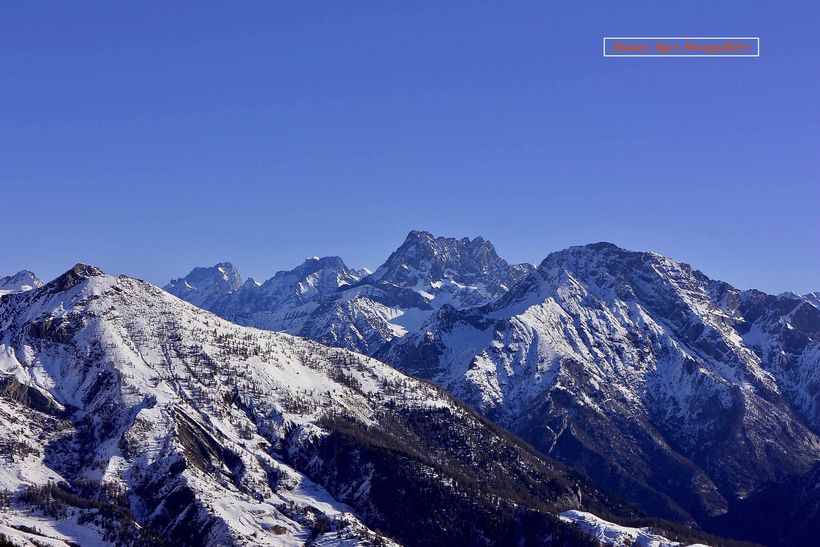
point(22, 281)
point(425, 256)
point(468, 271)
point(361, 273)
point(315, 264)
point(203, 285)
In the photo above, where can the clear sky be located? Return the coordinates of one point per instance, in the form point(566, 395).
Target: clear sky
point(148, 138)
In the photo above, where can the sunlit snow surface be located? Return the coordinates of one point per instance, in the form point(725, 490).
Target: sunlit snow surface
point(615, 535)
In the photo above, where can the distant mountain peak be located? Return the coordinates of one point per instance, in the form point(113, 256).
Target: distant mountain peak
point(422, 257)
point(362, 272)
point(314, 264)
point(607, 256)
point(203, 284)
point(226, 268)
point(251, 282)
point(603, 245)
point(602, 248)
point(417, 237)
point(418, 234)
point(223, 275)
point(21, 275)
point(316, 276)
point(22, 281)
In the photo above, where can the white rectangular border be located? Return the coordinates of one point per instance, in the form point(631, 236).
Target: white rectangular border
point(756, 38)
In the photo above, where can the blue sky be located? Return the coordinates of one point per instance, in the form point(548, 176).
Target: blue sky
point(148, 138)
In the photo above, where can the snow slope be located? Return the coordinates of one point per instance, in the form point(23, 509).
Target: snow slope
point(610, 534)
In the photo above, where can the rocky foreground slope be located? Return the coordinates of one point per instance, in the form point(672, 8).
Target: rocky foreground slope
point(130, 417)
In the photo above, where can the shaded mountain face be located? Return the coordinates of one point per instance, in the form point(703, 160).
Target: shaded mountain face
point(22, 281)
point(325, 301)
point(784, 512)
point(130, 417)
point(679, 392)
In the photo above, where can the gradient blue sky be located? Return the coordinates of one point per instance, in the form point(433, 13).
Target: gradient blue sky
point(148, 138)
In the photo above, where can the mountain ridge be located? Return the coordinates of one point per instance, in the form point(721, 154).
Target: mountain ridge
point(596, 321)
point(324, 300)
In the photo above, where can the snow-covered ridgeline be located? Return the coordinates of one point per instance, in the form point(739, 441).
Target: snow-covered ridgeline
point(203, 431)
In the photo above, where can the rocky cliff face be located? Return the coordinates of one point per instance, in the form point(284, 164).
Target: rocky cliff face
point(458, 272)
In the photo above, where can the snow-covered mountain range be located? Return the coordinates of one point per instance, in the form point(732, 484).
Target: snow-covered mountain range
point(130, 417)
point(683, 394)
point(322, 299)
